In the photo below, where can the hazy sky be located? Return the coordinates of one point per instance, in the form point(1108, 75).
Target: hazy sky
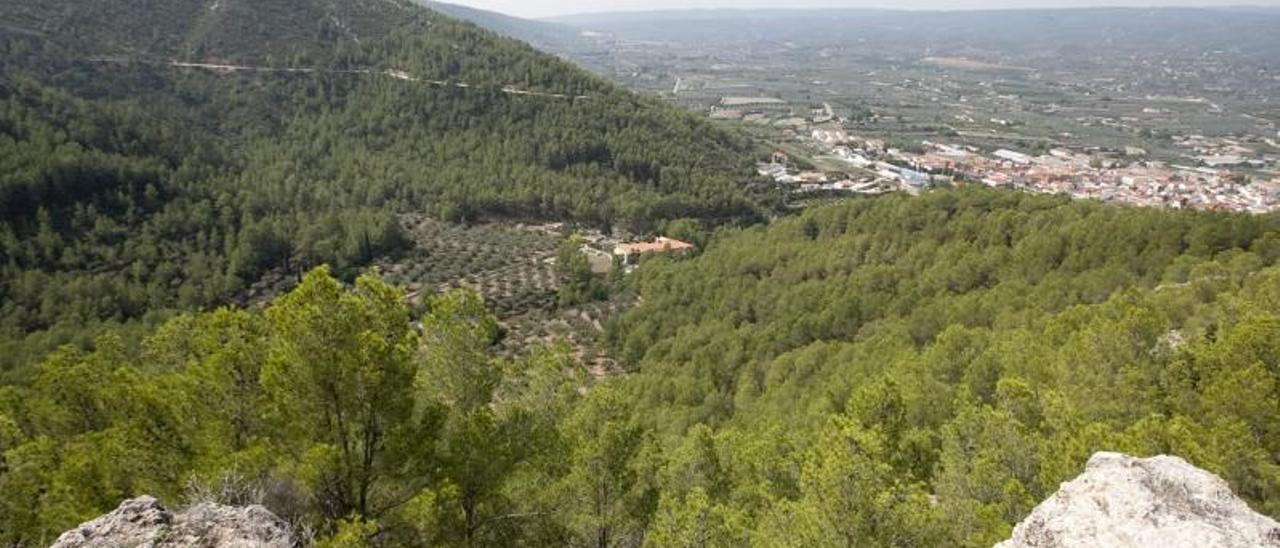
point(546, 8)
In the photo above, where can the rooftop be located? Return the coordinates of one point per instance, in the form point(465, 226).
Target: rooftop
point(658, 245)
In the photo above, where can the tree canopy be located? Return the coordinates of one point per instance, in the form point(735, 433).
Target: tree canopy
point(916, 371)
point(898, 371)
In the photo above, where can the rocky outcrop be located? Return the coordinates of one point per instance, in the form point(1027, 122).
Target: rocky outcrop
point(144, 523)
point(1163, 502)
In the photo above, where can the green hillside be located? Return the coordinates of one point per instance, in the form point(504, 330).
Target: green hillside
point(890, 371)
point(130, 185)
point(922, 371)
point(898, 371)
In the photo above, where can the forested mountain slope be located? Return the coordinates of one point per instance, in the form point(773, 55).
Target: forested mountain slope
point(130, 184)
point(897, 371)
point(835, 371)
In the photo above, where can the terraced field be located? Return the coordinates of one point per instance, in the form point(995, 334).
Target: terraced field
point(580, 327)
point(512, 266)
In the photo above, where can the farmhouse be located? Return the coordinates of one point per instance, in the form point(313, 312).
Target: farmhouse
point(633, 251)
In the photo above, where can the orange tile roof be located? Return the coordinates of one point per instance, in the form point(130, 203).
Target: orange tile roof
point(658, 245)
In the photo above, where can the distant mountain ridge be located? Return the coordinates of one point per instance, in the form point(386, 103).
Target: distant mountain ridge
point(1246, 30)
point(566, 41)
point(544, 35)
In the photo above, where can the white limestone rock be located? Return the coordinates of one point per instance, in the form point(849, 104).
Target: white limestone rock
point(1162, 502)
point(144, 523)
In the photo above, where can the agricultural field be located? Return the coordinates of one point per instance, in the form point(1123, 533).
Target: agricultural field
point(512, 266)
point(1094, 80)
point(581, 328)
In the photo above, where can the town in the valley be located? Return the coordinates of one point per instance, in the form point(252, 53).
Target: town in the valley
point(861, 102)
point(1120, 176)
